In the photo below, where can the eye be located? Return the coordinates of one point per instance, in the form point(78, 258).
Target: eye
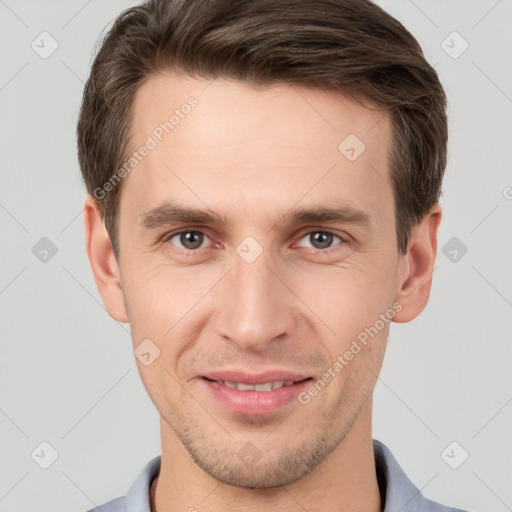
point(321, 240)
point(190, 240)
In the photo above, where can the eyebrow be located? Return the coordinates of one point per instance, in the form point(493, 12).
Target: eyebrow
point(169, 213)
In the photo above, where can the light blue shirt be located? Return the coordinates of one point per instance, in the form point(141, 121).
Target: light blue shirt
point(400, 494)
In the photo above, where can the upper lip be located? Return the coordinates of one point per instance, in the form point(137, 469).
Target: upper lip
point(245, 377)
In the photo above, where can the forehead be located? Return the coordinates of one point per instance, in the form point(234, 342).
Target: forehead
point(226, 143)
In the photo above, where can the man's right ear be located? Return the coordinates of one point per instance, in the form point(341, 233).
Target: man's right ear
point(103, 262)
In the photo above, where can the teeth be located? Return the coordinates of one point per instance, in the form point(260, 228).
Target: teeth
point(244, 387)
point(264, 387)
point(267, 386)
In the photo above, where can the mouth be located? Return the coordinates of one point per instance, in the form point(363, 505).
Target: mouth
point(255, 398)
point(265, 386)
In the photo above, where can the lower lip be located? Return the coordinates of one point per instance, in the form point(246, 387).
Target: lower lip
point(255, 403)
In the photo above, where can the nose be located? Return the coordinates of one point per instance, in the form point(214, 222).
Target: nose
point(255, 306)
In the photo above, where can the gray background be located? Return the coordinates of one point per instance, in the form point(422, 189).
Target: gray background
point(67, 371)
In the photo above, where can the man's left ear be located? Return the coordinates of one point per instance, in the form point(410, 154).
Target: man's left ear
point(418, 266)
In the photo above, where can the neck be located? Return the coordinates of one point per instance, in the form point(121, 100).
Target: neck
point(346, 480)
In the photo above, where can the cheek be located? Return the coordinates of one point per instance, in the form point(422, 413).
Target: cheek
point(160, 295)
point(347, 298)
point(356, 305)
point(164, 303)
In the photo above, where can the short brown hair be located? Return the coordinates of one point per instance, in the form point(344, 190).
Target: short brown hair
point(351, 46)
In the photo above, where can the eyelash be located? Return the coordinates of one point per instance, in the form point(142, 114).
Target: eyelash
point(343, 242)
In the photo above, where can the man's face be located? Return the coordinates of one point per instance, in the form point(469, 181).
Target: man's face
point(260, 290)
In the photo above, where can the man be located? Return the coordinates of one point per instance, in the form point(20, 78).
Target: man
point(263, 182)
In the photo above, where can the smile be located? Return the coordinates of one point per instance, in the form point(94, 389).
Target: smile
point(257, 399)
point(267, 386)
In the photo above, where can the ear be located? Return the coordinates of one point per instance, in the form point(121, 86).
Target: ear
point(103, 262)
point(418, 266)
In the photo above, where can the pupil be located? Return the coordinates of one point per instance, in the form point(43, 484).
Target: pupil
point(187, 239)
point(324, 239)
